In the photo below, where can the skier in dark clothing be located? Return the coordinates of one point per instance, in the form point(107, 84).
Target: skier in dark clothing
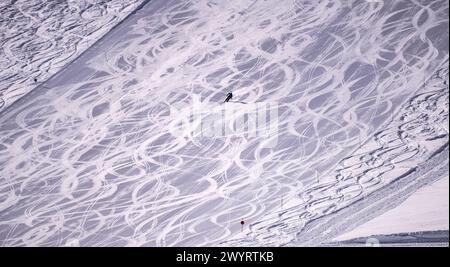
point(229, 97)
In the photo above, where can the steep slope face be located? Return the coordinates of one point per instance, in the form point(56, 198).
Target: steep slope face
point(426, 209)
point(409, 152)
point(38, 38)
point(95, 156)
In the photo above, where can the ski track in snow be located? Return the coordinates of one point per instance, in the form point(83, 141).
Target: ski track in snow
point(89, 160)
point(38, 38)
point(410, 139)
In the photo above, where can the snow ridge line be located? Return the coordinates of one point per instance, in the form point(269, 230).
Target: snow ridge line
point(375, 203)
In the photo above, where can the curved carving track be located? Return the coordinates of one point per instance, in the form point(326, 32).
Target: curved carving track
point(414, 136)
point(38, 38)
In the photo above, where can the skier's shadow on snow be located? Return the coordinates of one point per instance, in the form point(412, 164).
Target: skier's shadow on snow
point(240, 102)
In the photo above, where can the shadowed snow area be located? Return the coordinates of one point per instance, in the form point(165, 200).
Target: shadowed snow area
point(38, 38)
point(90, 157)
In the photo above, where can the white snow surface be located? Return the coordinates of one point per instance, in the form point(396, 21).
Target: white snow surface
point(425, 210)
point(88, 157)
point(38, 38)
point(410, 151)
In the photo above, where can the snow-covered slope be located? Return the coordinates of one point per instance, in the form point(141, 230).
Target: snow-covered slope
point(425, 210)
point(409, 152)
point(90, 157)
point(38, 38)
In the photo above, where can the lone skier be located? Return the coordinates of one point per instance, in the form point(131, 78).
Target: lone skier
point(229, 97)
